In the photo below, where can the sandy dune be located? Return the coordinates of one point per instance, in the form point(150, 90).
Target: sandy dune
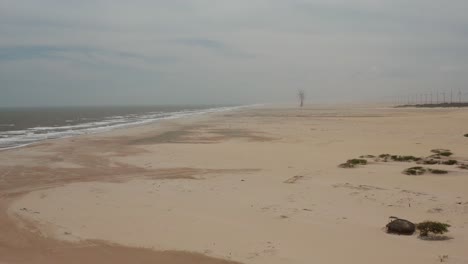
point(254, 186)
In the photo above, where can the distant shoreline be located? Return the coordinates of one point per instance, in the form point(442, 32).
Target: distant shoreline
point(442, 105)
point(83, 123)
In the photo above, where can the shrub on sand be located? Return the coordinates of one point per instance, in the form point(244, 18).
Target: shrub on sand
point(437, 171)
point(346, 165)
point(429, 161)
point(433, 227)
point(384, 155)
point(404, 158)
point(357, 161)
point(442, 152)
point(449, 162)
point(352, 163)
point(415, 171)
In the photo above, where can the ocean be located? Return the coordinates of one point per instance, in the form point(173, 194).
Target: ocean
point(24, 126)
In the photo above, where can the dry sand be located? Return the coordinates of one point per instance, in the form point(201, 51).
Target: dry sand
point(253, 186)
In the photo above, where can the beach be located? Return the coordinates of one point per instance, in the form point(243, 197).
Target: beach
point(253, 185)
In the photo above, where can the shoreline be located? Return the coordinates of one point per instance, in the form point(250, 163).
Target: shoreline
point(254, 186)
point(176, 115)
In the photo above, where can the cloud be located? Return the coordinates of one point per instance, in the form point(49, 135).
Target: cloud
point(12, 53)
point(29, 52)
point(214, 46)
point(205, 43)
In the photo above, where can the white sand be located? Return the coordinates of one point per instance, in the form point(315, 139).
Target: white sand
point(249, 214)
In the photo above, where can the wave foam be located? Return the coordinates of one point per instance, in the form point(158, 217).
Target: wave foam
point(21, 138)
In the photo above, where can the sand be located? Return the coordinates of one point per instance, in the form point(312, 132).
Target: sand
point(258, 185)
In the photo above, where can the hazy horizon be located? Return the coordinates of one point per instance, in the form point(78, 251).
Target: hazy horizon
point(122, 105)
point(205, 52)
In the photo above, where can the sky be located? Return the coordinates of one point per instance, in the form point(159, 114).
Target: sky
point(148, 52)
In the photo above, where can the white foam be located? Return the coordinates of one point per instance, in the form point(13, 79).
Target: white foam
point(20, 138)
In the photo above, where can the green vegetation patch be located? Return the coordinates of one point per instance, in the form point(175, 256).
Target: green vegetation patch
point(437, 171)
point(357, 161)
point(442, 152)
point(404, 158)
point(421, 170)
point(429, 161)
point(367, 156)
point(415, 171)
point(446, 153)
point(346, 165)
point(352, 163)
point(397, 158)
point(449, 162)
point(383, 156)
point(433, 227)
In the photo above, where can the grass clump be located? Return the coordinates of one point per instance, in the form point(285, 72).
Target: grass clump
point(357, 161)
point(383, 157)
point(433, 227)
point(404, 158)
point(346, 165)
point(367, 156)
point(446, 154)
point(421, 170)
point(429, 161)
point(437, 171)
point(463, 166)
point(442, 152)
point(398, 158)
point(449, 162)
point(415, 171)
point(466, 135)
point(352, 163)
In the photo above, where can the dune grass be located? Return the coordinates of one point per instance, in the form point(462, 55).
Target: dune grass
point(449, 162)
point(352, 163)
point(437, 171)
point(415, 171)
point(442, 152)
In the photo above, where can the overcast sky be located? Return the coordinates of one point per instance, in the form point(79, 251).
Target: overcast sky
point(91, 52)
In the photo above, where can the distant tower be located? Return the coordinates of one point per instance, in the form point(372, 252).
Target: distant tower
point(459, 96)
point(451, 95)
